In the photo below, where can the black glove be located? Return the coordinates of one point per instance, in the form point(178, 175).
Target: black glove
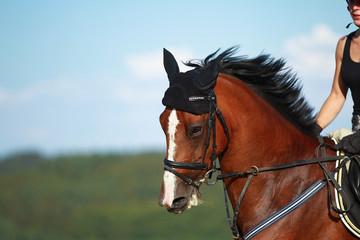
point(350, 144)
point(317, 129)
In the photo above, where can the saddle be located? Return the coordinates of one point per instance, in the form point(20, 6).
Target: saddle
point(354, 178)
point(348, 178)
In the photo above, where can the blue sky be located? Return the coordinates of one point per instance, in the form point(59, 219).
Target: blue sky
point(79, 76)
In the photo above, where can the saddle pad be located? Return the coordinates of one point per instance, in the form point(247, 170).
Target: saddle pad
point(351, 219)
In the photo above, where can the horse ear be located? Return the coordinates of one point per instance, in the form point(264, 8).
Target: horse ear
point(208, 76)
point(170, 64)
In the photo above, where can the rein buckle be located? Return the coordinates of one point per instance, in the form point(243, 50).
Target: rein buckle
point(208, 175)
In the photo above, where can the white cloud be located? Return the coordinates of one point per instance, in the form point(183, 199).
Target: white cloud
point(149, 65)
point(66, 90)
point(60, 88)
point(313, 54)
point(4, 95)
point(132, 94)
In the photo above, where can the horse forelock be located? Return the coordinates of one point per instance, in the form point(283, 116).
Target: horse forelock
point(271, 80)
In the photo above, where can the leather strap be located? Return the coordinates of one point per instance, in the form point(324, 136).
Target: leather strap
point(332, 181)
point(183, 177)
point(281, 166)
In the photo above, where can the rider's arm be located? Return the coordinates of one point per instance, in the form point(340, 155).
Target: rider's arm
point(336, 99)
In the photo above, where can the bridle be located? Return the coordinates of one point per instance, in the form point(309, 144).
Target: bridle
point(215, 113)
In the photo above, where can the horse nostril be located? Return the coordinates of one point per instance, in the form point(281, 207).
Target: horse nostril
point(179, 203)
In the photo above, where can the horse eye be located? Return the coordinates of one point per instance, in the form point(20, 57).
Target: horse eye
point(195, 131)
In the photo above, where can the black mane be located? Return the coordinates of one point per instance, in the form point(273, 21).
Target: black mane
point(271, 80)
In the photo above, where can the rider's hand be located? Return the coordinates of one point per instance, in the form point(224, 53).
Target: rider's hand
point(350, 144)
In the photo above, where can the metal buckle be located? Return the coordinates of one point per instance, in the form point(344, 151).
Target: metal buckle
point(206, 178)
point(256, 169)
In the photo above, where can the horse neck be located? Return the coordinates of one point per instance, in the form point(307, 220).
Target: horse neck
point(261, 136)
point(258, 131)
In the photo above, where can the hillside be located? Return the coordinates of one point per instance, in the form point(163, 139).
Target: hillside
point(98, 197)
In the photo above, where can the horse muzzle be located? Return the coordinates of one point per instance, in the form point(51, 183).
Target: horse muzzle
point(185, 199)
point(179, 205)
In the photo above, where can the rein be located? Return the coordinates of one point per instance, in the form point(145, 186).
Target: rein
point(215, 113)
point(315, 188)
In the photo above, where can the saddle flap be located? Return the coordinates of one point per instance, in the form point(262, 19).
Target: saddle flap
point(354, 177)
point(348, 178)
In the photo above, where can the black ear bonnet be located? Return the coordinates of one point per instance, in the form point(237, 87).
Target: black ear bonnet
point(187, 89)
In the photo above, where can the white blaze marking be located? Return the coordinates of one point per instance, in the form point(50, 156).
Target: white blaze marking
point(169, 178)
point(173, 123)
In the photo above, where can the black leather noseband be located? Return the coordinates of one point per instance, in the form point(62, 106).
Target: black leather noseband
point(184, 165)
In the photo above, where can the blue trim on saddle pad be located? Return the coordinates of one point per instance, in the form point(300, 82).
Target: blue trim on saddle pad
point(297, 202)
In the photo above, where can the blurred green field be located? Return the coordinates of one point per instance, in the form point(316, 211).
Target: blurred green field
point(104, 196)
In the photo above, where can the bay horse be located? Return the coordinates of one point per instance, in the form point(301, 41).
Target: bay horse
point(248, 113)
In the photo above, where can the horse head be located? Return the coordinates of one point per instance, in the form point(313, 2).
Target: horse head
point(187, 123)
